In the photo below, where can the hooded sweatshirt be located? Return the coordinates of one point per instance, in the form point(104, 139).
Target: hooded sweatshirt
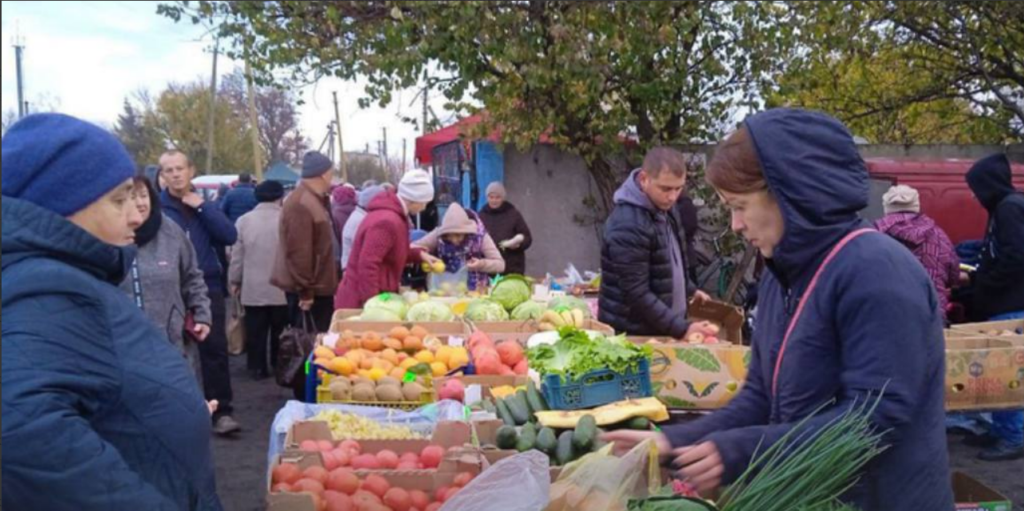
point(477, 244)
point(872, 324)
point(343, 203)
point(643, 288)
point(999, 281)
point(351, 227)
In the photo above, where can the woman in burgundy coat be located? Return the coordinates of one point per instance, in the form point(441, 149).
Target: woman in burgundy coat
point(381, 248)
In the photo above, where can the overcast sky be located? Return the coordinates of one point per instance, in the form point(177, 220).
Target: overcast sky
point(86, 57)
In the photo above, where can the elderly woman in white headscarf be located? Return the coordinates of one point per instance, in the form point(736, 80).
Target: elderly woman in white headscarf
point(506, 224)
point(904, 221)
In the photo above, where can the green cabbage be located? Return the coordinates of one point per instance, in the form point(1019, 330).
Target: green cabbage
point(528, 310)
point(570, 302)
point(485, 310)
point(430, 311)
point(512, 291)
point(389, 302)
point(379, 314)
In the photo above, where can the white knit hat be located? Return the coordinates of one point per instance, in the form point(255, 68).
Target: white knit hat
point(901, 198)
point(416, 186)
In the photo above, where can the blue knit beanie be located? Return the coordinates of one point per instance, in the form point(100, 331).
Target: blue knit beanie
point(315, 164)
point(61, 163)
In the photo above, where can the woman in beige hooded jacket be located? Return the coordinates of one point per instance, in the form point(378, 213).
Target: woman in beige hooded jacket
point(462, 240)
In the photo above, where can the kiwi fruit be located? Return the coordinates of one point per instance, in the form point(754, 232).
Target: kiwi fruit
point(389, 394)
point(413, 391)
point(364, 392)
point(387, 380)
point(341, 390)
point(360, 380)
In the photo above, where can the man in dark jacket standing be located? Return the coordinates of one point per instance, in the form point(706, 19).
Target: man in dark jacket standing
point(306, 267)
point(240, 200)
point(999, 281)
point(207, 228)
point(644, 289)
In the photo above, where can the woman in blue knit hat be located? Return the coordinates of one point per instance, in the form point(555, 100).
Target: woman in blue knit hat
point(100, 411)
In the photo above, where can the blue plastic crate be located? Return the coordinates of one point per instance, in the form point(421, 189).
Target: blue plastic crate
point(597, 388)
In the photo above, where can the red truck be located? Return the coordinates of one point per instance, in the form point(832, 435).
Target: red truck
point(945, 195)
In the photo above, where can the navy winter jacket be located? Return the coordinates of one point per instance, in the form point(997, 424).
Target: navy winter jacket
point(100, 410)
point(239, 201)
point(207, 228)
point(872, 322)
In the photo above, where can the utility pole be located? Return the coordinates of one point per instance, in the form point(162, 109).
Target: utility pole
point(387, 158)
point(212, 118)
point(426, 96)
point(341, 145)
point(257, 155)
point(405, 143)
point(19, 50)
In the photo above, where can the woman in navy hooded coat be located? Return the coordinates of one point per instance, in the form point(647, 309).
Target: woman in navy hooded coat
point(794, 183)
point(100, 411)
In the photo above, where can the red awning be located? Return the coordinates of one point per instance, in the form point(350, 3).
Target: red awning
point(425, 145)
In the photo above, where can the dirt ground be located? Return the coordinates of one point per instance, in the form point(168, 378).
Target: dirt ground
point(241, 462)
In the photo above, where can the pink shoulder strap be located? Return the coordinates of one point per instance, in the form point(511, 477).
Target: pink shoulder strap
point(807, 295)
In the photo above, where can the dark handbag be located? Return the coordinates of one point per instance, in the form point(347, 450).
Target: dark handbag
point(296, 345)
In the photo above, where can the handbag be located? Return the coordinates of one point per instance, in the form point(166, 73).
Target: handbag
point(236, 328)
point(296, 345)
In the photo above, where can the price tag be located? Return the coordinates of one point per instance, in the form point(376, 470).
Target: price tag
point(456, 342)
point(331, 340)
point(409, 377)
point(474, 393)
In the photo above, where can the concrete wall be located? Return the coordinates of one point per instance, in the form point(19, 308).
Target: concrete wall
point(548, 187)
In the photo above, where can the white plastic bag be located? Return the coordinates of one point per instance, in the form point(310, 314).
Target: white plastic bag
point(519, 483)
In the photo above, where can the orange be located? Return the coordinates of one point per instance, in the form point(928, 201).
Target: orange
point(425, 356)
point(399, 332)
point(342, 366)
point(323, 352)
point(407, 363)
point(419, 331)
point(438, 369)
point(458, 359)
point(444, 354)
point(390, 355)
point(376, 373)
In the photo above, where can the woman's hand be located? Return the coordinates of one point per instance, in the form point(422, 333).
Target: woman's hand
point(429, 259)
point(475, 265)
point(201, 332)
point(700, 465)
point(625, 441)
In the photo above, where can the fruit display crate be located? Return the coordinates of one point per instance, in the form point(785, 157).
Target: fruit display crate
point(318, 391)
point(597, 388)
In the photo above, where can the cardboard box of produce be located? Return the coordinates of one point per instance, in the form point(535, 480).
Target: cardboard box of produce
point(696, 376)
point(728, 317)
point(499, 331)
point(447, 434)
point(971, 495)
point(984, 373)
point(426, 481)
point(1008, 328)
point(382, 327)
point(486, 383)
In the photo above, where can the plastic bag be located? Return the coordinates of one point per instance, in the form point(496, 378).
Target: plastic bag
point(519, 483)
point(601, 481)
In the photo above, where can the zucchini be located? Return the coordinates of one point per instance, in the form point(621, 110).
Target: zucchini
point(585, 434)
point(507, 437)
point(503, 412)
point(534, 397)
point(527, 438)
point(547, 442)
point(518, 407)
point(564, 453)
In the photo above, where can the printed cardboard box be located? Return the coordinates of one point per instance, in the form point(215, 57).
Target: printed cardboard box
point(971, 495)
point(984, 373)
point(696, 376)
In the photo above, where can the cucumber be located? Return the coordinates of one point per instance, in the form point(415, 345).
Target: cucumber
point(504, 414)
point(534, 398)
point(564, 453)
point(639, 424)
point(517, 406)
point(527, 438)
point(489, 407)
point(584, 435)
point(507, 437)
point(547, 442)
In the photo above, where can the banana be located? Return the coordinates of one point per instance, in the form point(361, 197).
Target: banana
point(567, 318)
point(553, 318)
point(578, 319)
point(547, 327)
